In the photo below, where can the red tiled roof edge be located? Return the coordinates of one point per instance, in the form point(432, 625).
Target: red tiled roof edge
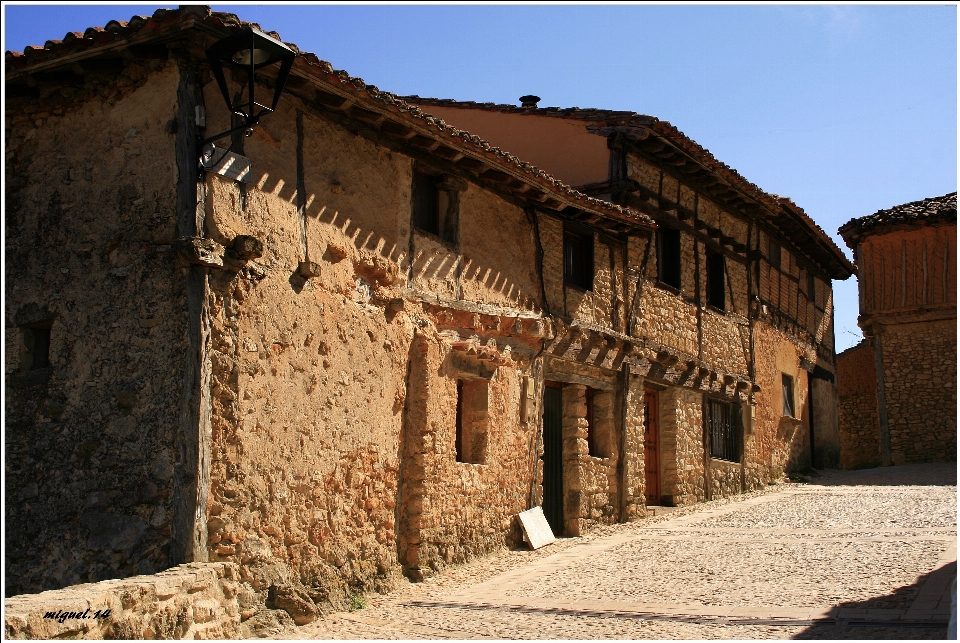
point(116, 30)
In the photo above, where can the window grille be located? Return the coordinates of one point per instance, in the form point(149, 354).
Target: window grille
point(725, 427)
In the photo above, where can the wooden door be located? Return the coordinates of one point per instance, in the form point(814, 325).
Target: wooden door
point(651, 446)
point(553, 458)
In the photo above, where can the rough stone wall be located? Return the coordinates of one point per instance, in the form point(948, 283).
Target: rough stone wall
point(192, 601)
point(668, 319)
point(859, 418)
point(634, 486)
point(681, 446)
point(308, 375)
point(783, 443)
point(591, 488)
point(453, 511)
point(725, 479)
point(311, 408)
point(920, 377)
point(726, 342)
point(90, 219)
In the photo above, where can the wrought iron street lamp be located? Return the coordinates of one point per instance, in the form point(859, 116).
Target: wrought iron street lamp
point(249, 50)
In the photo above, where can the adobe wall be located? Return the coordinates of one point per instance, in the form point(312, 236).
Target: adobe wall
point(90, 219)
point(559, 146)
point(859, 418)
point(920, 377)
point(783, 443)
point(312, 413)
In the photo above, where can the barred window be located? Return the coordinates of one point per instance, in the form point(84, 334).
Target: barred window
point(725, 425)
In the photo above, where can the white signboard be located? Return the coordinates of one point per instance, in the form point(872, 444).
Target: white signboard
point(536, 530)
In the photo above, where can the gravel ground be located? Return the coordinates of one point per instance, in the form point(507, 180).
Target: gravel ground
point(856, 539)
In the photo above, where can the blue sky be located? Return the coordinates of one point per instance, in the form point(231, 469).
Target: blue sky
point(845, 109)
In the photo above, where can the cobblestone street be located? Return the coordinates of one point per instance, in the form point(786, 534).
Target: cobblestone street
point(852, 554)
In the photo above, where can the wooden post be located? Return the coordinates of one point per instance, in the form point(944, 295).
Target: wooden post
point(191, 482)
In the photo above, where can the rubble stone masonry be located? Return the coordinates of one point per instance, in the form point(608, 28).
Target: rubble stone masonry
point(920, 377)
point(193, 601)
point(859, 420)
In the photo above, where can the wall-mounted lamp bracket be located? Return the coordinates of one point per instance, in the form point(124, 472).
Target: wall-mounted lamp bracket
point(249, 50)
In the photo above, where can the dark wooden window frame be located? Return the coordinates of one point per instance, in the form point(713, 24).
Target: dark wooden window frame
point(716, 280)
point(578, 266)
point(669, 257)
point(773, 252)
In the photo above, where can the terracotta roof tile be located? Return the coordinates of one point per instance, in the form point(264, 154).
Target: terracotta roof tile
point(938, 209)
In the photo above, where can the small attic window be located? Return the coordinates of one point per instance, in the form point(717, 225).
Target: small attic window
point(436, 204)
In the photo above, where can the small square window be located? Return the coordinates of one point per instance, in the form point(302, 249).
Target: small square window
point(716, 268)
point(578, 259)
point(788, 406)
point(668, 257)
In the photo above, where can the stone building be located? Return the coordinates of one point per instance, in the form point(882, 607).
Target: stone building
point(898, 387)
point(370, 350)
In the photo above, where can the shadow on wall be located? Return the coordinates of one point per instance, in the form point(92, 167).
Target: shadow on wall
point(900, 599)
point(392, 253)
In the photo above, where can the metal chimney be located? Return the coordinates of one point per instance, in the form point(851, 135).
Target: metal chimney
point(529, 101)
